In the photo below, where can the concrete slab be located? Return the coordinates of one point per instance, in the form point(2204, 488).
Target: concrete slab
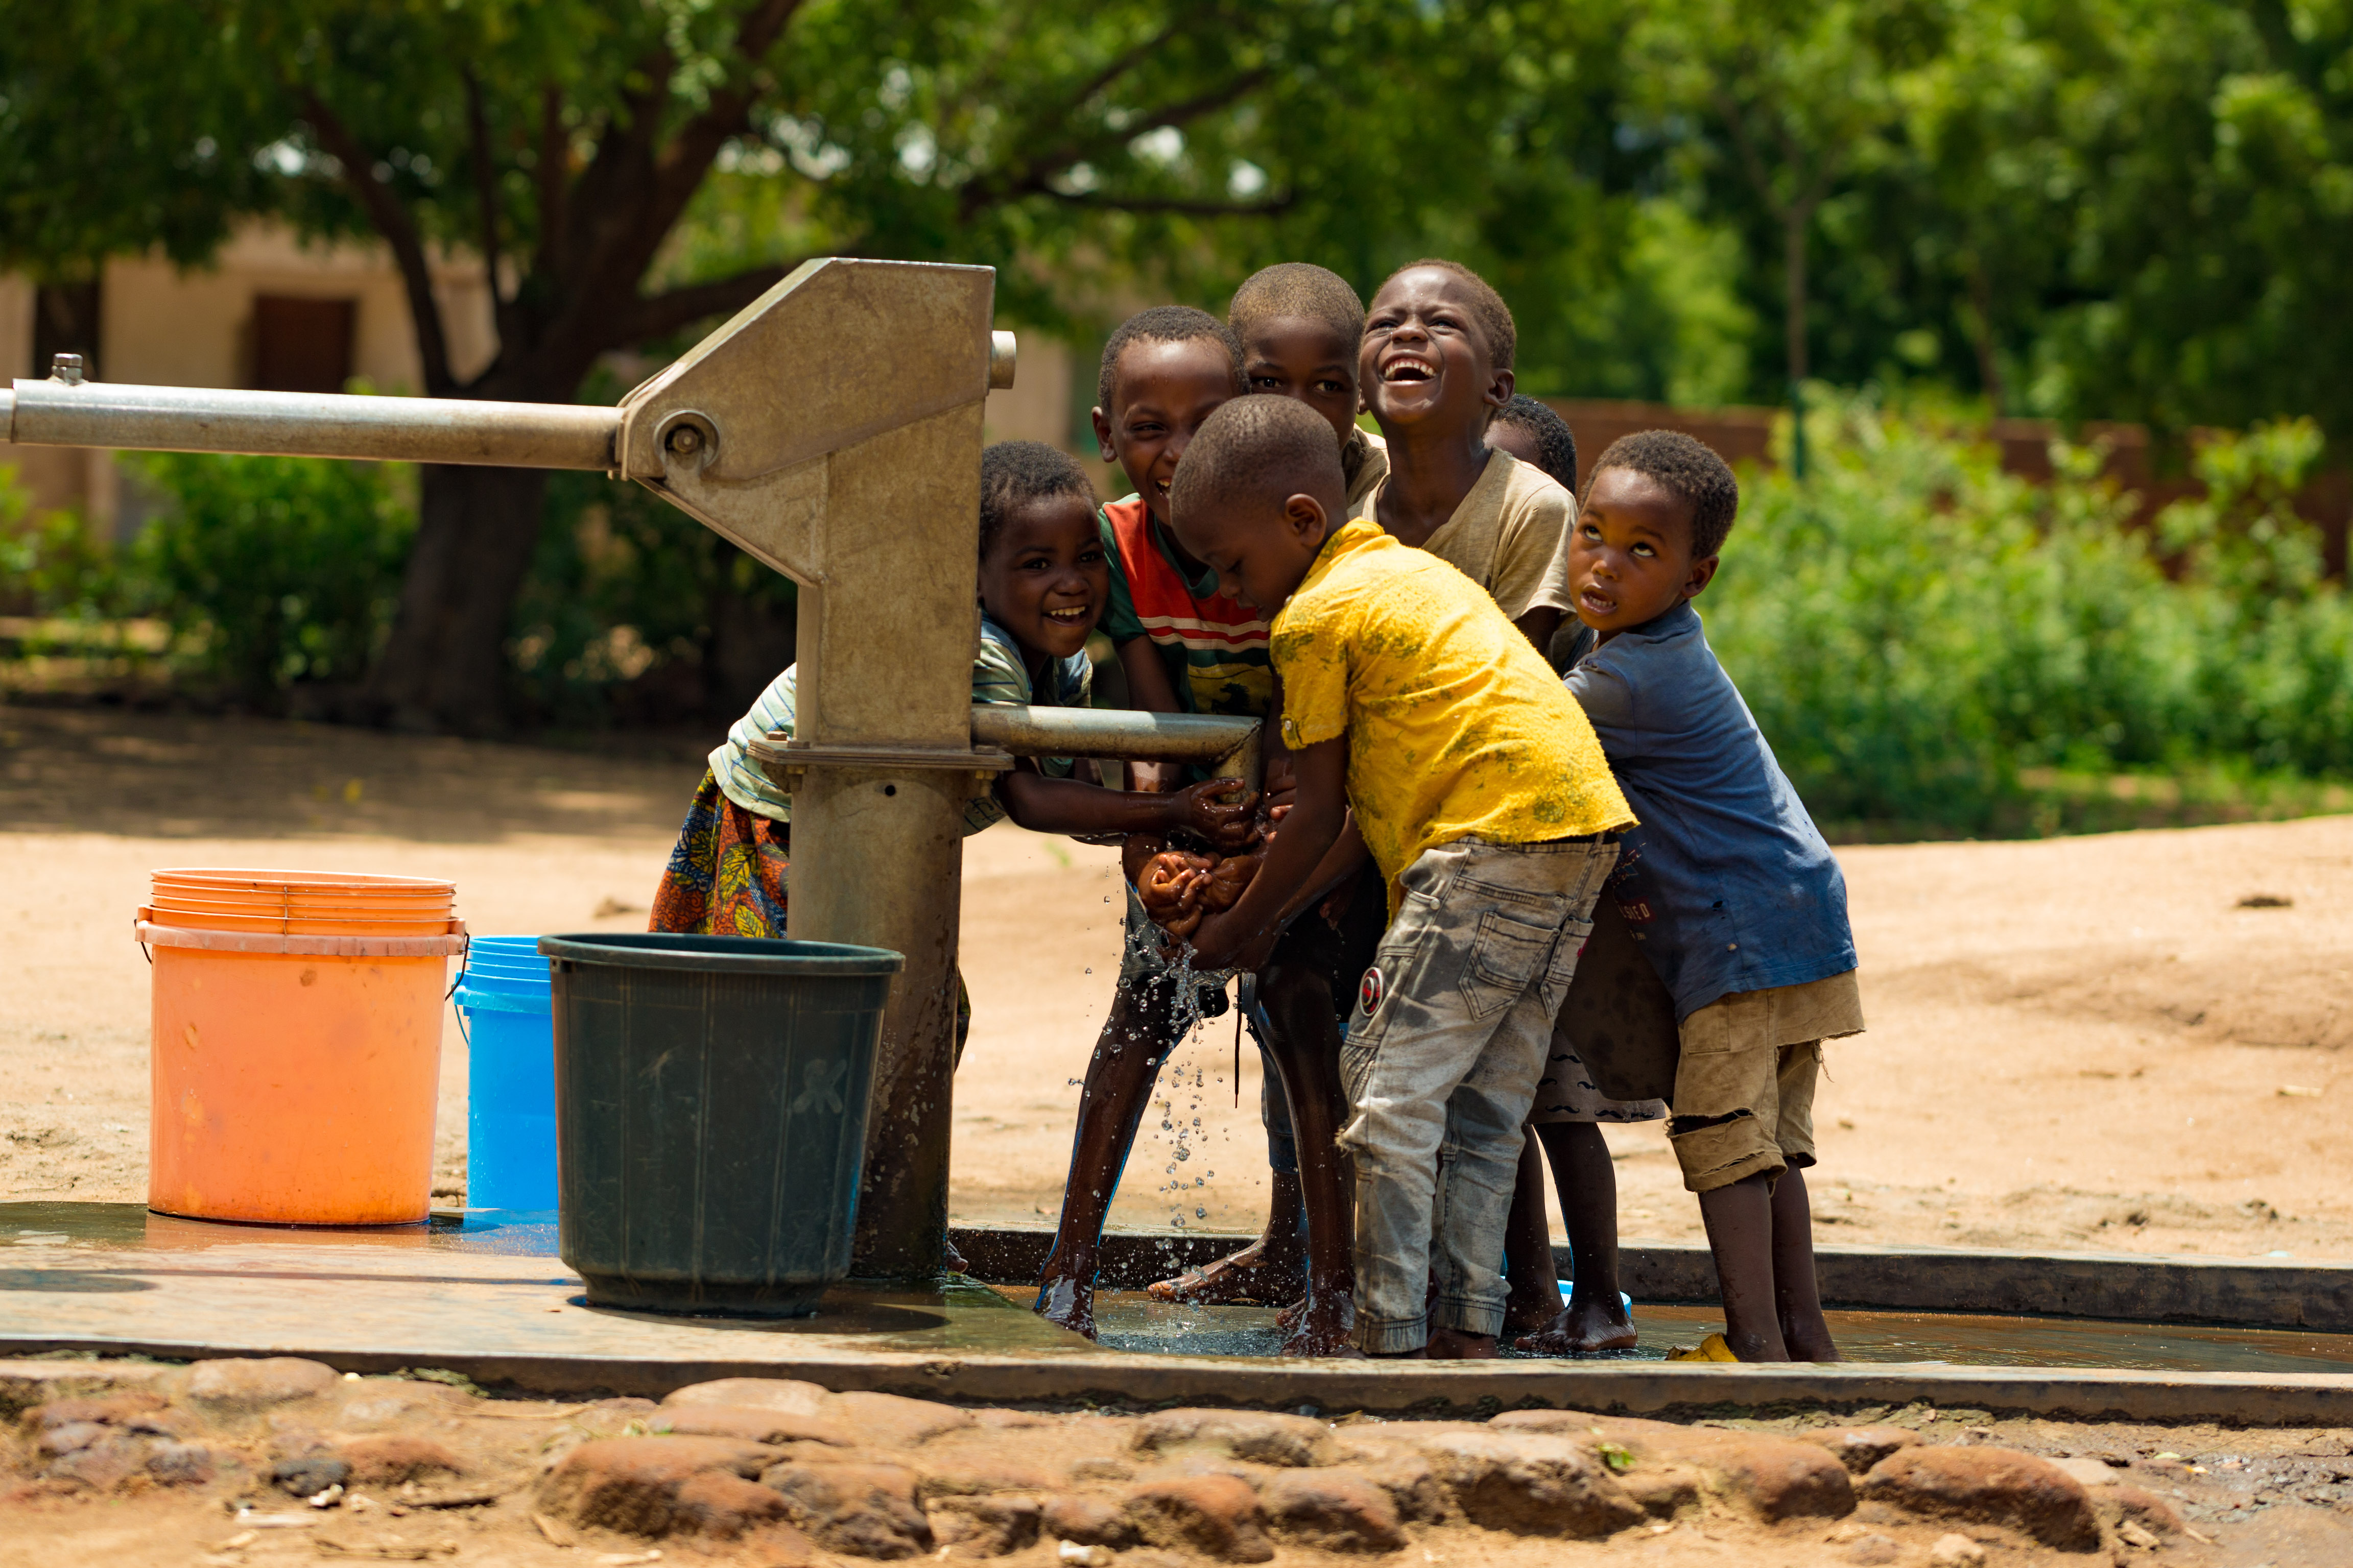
point(487, 1300)
point(2126, 1286)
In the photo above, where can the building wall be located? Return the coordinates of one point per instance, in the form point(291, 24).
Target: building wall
point(161, 326)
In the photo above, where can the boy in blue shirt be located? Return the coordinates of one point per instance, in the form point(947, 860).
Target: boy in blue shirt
point(1726, 883)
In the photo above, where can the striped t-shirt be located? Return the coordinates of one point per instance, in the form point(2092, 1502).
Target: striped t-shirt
point(1214, 646)
point(998, 676)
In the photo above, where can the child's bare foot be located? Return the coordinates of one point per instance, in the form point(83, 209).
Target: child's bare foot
point(1322, 1326)
point(1582, 1327)
point(1530, 1311)
point(1068, 1299)
point(1808, 1338)
point(1454, 1345)
point(1288, 1319)
point(1261, 1274)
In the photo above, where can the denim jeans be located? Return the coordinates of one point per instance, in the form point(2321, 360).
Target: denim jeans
point(1453, 1026)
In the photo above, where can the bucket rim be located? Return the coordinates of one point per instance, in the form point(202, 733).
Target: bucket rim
point(303, 943)
point(301, 881)
point(530, 1003)
point(723, 955)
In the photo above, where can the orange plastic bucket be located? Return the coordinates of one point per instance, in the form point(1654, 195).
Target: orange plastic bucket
point(295, 1071)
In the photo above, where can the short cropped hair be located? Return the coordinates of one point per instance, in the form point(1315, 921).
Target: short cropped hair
point(1495, 317)
point(1299, 289)
point(1166, 324)
point(1015, 473)
point(1688, 470)
point(1556, 443)
point(1260, 448)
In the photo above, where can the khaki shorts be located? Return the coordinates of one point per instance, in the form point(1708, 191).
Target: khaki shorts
point(1743, 1103)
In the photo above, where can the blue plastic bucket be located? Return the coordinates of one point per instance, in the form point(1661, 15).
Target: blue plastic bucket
point(504, 993)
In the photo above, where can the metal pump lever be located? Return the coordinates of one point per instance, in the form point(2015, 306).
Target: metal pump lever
point(832, 430)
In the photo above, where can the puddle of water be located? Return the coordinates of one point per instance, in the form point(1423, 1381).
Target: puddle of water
point(1131, 1320)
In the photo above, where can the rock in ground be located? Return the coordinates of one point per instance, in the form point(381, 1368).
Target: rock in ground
point(1089, 1521)
point(653, 1487)
point(793, 1398)
point(1250, 1434)
point(1997, 1486)
point(1528, 1484)
point(1333, 1510)
point(244, 1387)
point(867, 1511)
point(1217, 1516)
point(390, 1458)
point(1860, 1448)
point(985, 1526)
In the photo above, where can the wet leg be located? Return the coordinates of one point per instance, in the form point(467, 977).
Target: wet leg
point(1534, 1298)
point(1305, 1050)
point(1739, 1220)
point(1797, 1296)
point(1136, 1039)
point(1273, 1270)
point(1595, 1318)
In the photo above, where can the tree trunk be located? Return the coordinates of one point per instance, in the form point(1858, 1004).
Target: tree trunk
point(1793, 227)
point(1989, 357)
point(444, 666)
point(752, 641)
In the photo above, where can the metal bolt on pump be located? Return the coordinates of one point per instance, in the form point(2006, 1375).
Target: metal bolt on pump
point(857, 476)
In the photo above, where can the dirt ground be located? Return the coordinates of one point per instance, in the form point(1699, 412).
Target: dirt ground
point(264, 1464)
point(2127, 1042)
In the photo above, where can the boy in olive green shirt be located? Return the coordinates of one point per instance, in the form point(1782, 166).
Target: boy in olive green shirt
point(1483, 796)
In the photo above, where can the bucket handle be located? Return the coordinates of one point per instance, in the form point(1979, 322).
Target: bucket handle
point(139, 919)
point(464, 953)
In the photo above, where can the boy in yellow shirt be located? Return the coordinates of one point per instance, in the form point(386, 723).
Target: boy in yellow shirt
point(1484, 797)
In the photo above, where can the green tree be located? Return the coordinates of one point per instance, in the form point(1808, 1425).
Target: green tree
point(1786, 102)
point(566, 145)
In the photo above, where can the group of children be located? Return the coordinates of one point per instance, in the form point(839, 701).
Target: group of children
point(1490, 708)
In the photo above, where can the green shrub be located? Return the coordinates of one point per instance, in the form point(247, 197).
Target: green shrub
point(271, 571)
point(623, 587)
point(50, 564)
point(1917, 631)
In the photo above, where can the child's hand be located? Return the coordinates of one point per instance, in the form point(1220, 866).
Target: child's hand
point(1281, 784)
point(1169, 884)
point(1225, 880)
point(1219, 944)
point(1218, 810)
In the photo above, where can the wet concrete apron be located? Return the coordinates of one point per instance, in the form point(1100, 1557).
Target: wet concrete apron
point(484, 1298)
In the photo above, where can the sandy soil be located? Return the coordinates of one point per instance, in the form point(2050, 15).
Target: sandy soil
point(2228, 1498)
point(2081, 1043)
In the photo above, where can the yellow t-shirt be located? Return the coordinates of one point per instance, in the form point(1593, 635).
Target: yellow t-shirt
point(1456, 727)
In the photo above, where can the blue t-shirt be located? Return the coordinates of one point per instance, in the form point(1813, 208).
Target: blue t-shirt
point(1727, 883)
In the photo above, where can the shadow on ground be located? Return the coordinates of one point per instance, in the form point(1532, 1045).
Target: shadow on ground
point(151, 775)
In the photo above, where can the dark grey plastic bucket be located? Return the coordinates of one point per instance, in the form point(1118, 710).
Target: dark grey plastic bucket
point(710, 1116)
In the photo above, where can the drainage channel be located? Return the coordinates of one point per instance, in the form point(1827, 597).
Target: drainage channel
point(483, 1295)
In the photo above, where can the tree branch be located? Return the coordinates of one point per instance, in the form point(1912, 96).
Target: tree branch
point(1729, 108)
point(486, 211)
point(676, 308)
point(1175, 206)
point(1034, 179)
point(391, 221)
point(554, 177)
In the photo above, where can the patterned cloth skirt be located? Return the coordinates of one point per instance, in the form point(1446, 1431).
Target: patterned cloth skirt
point(730, 875)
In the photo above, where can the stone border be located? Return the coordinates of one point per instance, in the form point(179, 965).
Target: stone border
point(1456, 1389)
point(2126, 1286)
